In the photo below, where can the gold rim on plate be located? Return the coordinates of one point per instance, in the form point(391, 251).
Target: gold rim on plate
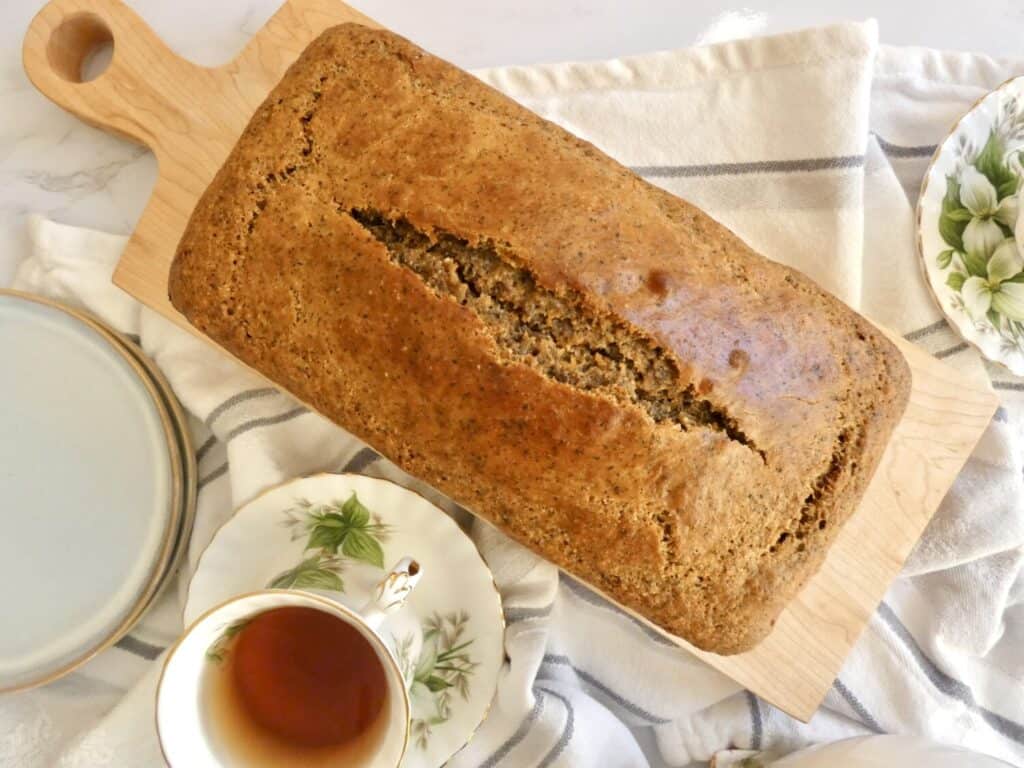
point(187, 455)
point(176, 511)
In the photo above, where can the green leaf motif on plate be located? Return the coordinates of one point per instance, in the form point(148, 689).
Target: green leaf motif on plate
point(435, 683)
point(991, 161)
point(344, 526)
point(956, 280)
point(976, 264)
point(945, 258)
point(960, 214)
point(354, 513)
point(443, 671)
point(1008, 187)
point(360, 545)
point(327, 534)
point(335, 532)
point(317, 572)
point(952, 198)
point(952, 231)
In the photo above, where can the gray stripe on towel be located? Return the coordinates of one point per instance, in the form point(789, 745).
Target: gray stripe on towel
point(516, 738)
point(856, 706)
point(797, 191)
point(944, 353)
point(514, 613)
point(247, 426)
point(567, 729)
point(946, 684)
point(241, 397)
point(760, 166)
point(266, 421)
point(756, 726)
point(205, 481)
point(928, 330)
point(203, 449)
point(596, 600)
point(363, 458)
point(138, 647)
point(896, 150)
point(593, 682)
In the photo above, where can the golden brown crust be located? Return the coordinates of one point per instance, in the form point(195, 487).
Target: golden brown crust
point(706, 530)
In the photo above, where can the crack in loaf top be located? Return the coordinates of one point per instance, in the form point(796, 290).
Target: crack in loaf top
point(717, 306)
point(703, 418)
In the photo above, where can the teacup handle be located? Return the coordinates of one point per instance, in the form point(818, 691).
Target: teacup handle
point(392, 592)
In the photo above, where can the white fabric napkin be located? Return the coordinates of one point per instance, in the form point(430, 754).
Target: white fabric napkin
point(808, 145)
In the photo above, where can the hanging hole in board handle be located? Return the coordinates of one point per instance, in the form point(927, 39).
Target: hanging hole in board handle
point(80, 49)
point(98, 60)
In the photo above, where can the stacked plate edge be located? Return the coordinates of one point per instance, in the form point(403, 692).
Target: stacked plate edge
point(97, 487)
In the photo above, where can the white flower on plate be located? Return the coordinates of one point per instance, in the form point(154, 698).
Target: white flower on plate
point(981, 238)
point(979, 196)
point(981, 294)
point(977, 193)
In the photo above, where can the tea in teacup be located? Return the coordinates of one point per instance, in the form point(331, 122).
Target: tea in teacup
point(288, 678)
point(295, 685)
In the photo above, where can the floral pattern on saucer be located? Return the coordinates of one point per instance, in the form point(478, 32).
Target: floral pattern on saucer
point(340, 533)
point(971, 233)
point(335, 532)
point(444, 669)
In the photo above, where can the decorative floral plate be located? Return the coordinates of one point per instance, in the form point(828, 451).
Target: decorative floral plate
point(340, 533)
point(970, 231)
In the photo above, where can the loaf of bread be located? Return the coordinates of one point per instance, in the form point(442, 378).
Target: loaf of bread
point(591, 364)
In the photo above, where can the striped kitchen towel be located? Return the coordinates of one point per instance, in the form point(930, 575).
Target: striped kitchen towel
point(811, 146)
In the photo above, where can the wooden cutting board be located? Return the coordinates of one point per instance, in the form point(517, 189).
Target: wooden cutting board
point(190, 116)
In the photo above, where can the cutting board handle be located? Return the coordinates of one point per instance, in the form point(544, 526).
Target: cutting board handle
point(152, 96)
point(124, 97)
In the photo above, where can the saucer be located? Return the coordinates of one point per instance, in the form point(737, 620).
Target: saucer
point(970, 227)
point(341, 533)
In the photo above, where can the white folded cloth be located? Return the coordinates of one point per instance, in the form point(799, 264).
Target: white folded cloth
point(811, 146)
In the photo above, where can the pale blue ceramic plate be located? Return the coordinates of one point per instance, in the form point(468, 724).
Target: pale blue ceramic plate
point(89, 490)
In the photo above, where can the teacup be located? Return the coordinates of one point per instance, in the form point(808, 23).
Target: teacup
point(183, 703)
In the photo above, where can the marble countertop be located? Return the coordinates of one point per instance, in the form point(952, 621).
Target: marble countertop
point(52, 164)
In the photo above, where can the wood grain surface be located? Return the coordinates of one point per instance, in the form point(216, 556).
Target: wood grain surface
point(190, 116)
